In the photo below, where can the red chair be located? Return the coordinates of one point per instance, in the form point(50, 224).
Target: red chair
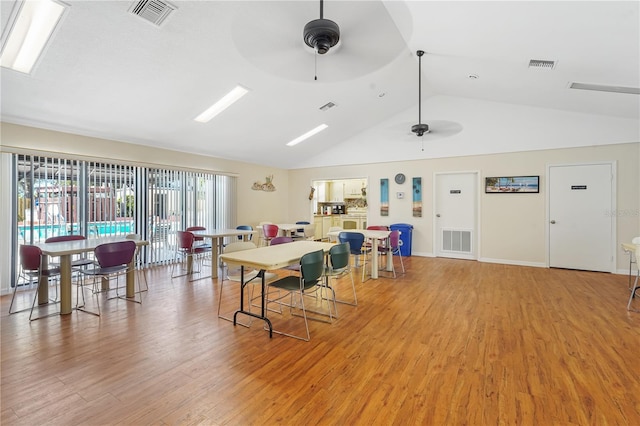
point(199, 241)
point(382, 246)
point(395, 242)
point(190, 252)
point(269, 232)
point(114, 260)
point(30, 268)
point(280, 240)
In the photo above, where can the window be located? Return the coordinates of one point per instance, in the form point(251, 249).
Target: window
point(57, 196)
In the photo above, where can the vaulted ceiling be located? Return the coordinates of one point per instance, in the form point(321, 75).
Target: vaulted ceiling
point(111, 74)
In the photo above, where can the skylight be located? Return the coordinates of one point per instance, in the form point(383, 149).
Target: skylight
point(222, 104)
point(307, 135)
point(30, 32)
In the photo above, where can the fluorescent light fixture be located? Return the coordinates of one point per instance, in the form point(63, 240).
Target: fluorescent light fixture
point(30, 31)
point(307, 135)
point(605, 88)
point(222, 104)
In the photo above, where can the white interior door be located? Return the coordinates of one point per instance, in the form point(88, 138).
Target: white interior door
point(581, 223)
point(455, 222)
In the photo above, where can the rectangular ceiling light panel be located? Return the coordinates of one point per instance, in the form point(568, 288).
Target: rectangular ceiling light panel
point(604, 88)
point(307, 135)
point(29, 32)
point(222, 104)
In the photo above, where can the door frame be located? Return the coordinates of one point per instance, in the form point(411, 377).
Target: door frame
point(434, 231)
point(612, 208)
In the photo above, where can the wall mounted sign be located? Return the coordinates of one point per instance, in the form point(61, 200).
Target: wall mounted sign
point(578, 187)
point(512, 184)
point(384, 197)
point(267, 186)
point(417, 197)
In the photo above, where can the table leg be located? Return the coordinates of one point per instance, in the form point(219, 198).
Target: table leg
point(262, 315)
point(374, 259)
point(131, 279)
point(389, 256)
point(215, 243)
point(43, 293)
point(65, 284)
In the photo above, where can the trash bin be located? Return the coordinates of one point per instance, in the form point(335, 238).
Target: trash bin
point(406, 230)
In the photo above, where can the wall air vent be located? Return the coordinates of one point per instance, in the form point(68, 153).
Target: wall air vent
point(603, 88)
point(327, 106)
point(154, 11)
point(541, 64)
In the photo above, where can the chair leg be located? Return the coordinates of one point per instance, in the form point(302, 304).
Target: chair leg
point(304, 315)
point(80, 288)
point(33, 305)
point(15, 288)
point(633, 294)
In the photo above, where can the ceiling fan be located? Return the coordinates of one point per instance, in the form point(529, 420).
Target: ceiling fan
point(321, 34)
point(282, 38)
point(438, 128)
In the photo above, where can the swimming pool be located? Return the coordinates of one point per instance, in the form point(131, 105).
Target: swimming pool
point(95, 229)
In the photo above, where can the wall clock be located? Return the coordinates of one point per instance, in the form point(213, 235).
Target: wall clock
point(400, 178)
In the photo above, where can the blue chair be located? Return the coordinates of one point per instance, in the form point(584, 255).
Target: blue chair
point(245, 228)
point(357, 247)
point(301, 230)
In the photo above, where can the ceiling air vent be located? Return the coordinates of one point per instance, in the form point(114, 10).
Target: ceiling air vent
point(541, 64)
point(154, 11)
point(327, 106)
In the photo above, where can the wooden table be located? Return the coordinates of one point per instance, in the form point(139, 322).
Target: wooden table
point(217, 239)
point(269, 258)
point(375, 236)
point(65, 250)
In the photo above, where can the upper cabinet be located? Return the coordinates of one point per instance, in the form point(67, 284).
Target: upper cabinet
point(338, 190)
point(353, 188)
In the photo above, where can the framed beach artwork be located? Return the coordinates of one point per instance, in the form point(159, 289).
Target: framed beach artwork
point(512, 184)
point(417, 197)
point(384, 197)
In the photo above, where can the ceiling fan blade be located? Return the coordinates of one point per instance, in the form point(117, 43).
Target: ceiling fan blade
point(271, 38)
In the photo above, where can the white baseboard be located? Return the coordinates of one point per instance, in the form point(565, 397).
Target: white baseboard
point(513, 262)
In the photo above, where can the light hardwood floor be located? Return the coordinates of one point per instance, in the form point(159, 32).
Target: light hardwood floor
point(450, 342)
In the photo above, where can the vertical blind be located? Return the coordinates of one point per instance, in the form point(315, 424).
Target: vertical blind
point(57, 196)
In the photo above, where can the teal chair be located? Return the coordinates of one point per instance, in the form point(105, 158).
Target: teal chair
point(309, 280)
point(337, 267)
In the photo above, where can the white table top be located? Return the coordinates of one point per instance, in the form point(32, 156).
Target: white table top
point(62, 248)
point(368, 233)
point(220, 233)
point(275, 257)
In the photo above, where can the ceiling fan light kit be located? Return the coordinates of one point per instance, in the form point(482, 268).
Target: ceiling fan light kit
point(321, 34)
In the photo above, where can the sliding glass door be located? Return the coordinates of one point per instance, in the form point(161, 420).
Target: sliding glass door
point(57, 196)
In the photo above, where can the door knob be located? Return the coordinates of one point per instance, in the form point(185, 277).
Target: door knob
point(553, 222)
point(437, 214)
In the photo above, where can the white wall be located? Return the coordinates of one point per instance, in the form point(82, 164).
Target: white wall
point(512, 227)
point(511, 238)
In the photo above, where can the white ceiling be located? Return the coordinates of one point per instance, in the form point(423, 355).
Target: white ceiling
point(110, 74)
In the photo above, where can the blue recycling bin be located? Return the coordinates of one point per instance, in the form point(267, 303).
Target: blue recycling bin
point(406, 230)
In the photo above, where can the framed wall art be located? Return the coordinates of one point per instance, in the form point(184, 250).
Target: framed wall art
point(512, 184)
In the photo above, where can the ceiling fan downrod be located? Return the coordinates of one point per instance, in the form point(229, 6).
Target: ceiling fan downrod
point(420, 129)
